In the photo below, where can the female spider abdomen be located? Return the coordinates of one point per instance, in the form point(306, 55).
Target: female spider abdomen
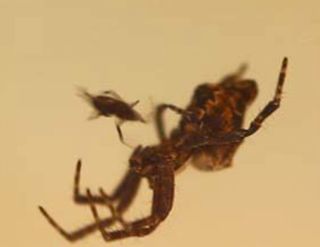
point(222, 106)
point(214, 157)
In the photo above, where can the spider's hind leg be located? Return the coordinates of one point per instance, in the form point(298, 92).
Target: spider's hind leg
point(237, 136)
point(114, 94)
point(77, 196)
point(120, 134)
point(79, 233)
point(160, 128)
point(116, 215)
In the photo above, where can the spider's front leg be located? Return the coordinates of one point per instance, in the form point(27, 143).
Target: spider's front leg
point(163, 193)
point(124, 194)
point(273, 105)
point(160, 128)
point(78, 233)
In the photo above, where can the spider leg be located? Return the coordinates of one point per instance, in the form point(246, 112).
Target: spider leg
point(94, 115)
point(119, 122)
point(114, 94)
point(163, 193)
point(79, 233)
point(159, 118)
point(134, 103)
point(124, 193)
point(118, 126)
point(273, 105)
point(116, 215)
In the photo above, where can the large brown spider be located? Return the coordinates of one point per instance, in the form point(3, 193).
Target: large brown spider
point(209, 133)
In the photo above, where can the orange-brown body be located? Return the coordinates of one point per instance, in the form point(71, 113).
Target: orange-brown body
point(219, 108)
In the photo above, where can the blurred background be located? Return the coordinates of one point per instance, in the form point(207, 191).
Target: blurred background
point(157, 51)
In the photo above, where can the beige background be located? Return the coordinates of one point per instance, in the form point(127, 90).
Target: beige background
point(157, 51)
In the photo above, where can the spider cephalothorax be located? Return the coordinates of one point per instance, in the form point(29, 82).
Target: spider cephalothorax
point(209, 132)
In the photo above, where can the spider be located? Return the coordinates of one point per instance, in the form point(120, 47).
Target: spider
point(209, 133)
point(108, 104)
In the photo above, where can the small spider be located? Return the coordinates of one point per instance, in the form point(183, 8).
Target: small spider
point(109, 104)
point(209, 133)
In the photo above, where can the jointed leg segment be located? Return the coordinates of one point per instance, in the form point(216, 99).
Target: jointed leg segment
point(123, 194)
point(159, 118)
point(79, 233)
point(117, 216)
point(161, 205)
point(273, 105)
point(239, 135)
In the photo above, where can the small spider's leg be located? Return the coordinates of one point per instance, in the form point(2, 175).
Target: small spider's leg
point(114, 94)
point(126, 191)
point(94, 115)
point(163, 193)
point(138, 117)
point(79, 233)
point(118, 127)
point(83, 93)
point(237, 136)
point(134, 103)
point(273, 105)
point(159, 118)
